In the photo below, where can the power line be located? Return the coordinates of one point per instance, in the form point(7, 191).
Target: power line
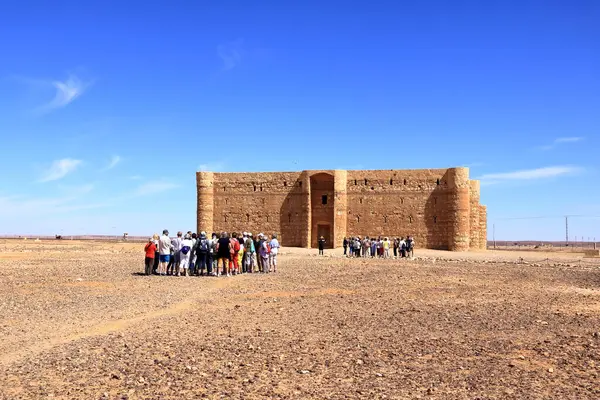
point(546, 217)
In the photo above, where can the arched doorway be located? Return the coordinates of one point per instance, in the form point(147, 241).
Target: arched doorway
point(322, 210)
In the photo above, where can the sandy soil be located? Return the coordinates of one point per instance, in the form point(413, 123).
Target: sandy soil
point(78, 322)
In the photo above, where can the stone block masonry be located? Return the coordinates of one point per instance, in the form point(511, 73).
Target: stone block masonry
point(439, 207)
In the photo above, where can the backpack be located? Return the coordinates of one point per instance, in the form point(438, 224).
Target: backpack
point(185, 249)
point(268, 247)
point(248, 245)
point(203, 246)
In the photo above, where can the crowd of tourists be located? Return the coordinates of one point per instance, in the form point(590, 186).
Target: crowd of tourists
point(379, 247)
point(190, 254)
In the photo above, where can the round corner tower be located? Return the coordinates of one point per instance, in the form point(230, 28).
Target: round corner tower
point(204, 184)
point(474, 198)
point(340, 202)
point(459, 208)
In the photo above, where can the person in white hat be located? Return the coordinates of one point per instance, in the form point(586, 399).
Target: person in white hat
point(274, 249)
point(249, 253)
point(185, 253)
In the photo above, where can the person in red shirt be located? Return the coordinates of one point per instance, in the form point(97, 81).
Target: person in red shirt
point(235, 248)
point(150, 250)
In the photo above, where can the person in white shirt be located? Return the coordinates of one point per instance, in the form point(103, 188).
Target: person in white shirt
point(402, 247)
point(164, 251)
point(176, 261)
point(274, 244)
point(185, 254)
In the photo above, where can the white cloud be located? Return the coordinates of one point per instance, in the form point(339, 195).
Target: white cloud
point(135, 177)
point(150, 188)
point(113, 163)
point(231, 53)
point(529, 174)
point(568, 139)
point(66, 92)
point(211, 167)
point(561, 140)
point(59, 169)
point(21, 206)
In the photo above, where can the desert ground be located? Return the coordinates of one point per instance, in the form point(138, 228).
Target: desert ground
point(78, 321)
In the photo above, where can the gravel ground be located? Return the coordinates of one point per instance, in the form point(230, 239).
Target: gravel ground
point(77, 322)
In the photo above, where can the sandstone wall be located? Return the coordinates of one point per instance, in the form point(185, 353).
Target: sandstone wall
point(255, 202)
point(438, 207)
point(397, 203)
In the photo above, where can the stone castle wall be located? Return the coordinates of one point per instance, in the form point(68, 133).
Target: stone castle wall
point(438, 207)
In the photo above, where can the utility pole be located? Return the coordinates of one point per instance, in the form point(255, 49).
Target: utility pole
point(494, 234)
point(567, 229)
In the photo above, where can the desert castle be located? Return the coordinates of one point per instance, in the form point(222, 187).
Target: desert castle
point(438, 207)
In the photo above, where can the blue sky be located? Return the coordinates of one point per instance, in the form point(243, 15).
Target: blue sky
point(108, 108)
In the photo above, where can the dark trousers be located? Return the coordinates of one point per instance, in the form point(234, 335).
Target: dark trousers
point(155, 265)
point(209, 263)
point(320, 251)
point(201, 263)
point(149, 263)
point(395, 252)
point(345, 250)
point(244, 266)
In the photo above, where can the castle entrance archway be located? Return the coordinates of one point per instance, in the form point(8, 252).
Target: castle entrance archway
point(322, 211)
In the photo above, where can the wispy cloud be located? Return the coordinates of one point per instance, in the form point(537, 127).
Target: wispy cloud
point(568, 139)
point(71, 200)
point(65, 93)
point(151, 188)
point(474, 165)
point(561, 140)
point(135, 177)
point(113, 163)
point(211, 167)
point(59, 169)
point(231, 53)
point(529, 174)
point(77, 190)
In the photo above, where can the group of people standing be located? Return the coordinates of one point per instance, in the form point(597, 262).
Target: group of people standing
point(378, 247)
point(192, 254)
